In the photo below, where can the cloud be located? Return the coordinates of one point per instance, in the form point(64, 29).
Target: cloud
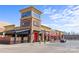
point(49, 11)
point(66, 19)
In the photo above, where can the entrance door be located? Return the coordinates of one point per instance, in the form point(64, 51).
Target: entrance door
point(35, 36)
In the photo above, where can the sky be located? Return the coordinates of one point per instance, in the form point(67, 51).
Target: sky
point(60, 17)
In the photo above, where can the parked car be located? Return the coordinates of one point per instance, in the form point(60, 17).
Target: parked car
point(62, 40)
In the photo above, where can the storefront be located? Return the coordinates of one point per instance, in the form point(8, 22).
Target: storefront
point(46, 32)
point(17, 36)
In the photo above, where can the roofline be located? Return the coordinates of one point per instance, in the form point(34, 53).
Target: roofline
point(9, 25)
point(46, 26)
point(33, 8)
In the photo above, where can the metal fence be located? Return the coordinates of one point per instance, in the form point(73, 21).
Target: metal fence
point(71, 37)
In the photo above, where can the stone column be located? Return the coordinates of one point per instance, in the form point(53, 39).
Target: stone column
point(43, 37)
point(39, 38)
point(31, 36)
point(57, 35)
point(49, 36)
point(15, 38)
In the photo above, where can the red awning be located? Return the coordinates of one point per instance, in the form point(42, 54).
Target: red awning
point(54, 34)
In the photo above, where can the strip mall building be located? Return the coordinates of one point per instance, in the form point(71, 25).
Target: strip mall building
point(30, 29)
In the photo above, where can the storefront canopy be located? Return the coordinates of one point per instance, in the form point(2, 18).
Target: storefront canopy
point(18, 32)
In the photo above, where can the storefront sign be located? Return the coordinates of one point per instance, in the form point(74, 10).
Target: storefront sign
point(23, 32)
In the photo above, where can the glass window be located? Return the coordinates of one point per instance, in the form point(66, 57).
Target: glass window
point(35, 15)
point(31, 13)
point(26, 14)
point(26, 23)
point(36, 24)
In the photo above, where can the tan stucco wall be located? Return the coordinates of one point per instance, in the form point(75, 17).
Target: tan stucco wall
point(45, 28)
point(9, 27)
point(36, 27)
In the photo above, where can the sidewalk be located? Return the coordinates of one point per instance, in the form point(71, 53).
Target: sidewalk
point(35, 48)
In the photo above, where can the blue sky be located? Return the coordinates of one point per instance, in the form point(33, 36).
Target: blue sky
point(61, 17)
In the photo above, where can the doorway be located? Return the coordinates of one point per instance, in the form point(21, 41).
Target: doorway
point(35, 36)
